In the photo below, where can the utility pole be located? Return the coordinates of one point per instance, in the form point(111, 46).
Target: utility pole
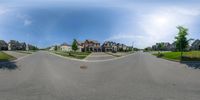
point(132, 46)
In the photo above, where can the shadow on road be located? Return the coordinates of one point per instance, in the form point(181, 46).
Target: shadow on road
point(8, 66)
point(195, 65)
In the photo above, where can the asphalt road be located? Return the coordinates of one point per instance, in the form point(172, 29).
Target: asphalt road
point(42, 76)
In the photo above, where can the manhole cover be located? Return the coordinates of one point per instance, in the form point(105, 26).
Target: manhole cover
point(83, 67)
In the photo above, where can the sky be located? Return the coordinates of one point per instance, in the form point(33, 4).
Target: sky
point(140, 23)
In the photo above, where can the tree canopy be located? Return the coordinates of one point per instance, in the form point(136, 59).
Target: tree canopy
point(74, 45)
point(181, 39)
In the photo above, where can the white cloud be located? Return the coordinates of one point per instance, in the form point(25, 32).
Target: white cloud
point(4, 10)
point(25, 18)
point(27, 22)
point(158, 25)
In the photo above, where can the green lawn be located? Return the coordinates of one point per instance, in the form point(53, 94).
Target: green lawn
point(6, 57)
point(77, 55)
point(187, 56)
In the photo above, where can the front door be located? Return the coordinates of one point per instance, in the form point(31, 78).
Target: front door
point(199, 47)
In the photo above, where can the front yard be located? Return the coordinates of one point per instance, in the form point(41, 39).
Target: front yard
point(6, 57)
point(77, 55)
point(176, 56)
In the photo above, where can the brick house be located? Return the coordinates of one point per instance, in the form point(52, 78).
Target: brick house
point(91, 45)
point(109, 46)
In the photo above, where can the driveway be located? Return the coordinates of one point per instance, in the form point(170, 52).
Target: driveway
point(42, 76)
point(99, 56)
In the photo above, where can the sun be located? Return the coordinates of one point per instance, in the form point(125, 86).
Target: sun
point(161, 20)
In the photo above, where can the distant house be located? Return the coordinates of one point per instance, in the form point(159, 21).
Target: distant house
point(121, 47)
point(166, 46)
point(124, 47)
point(65, 47)
point(52, 48)
point(173, 46)
point(195, 45)
point(22, 46)
point(3, 45)
point(14, 45)
point(92, 45)
point(109, 46)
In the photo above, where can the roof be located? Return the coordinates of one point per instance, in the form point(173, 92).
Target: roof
point(64, 44)
point(79, 42)
point(94, 41)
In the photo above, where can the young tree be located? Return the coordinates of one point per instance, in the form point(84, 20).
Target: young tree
point(74, 45)
point(181, 40)
point(56, 48)
point(160, 46)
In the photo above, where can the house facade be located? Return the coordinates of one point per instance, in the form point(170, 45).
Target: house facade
point(165, 46)
point(109, 46)
point(65, 47)
point(92, 45)
point(80, 45)
point(16, 45)
point(195, 45)
point(3, 45)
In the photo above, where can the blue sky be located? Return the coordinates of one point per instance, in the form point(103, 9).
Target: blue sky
point(144, 22)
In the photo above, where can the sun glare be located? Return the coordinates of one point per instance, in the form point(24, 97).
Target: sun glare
point(161, 20)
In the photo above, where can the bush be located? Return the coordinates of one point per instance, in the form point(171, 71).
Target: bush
point(160, 55)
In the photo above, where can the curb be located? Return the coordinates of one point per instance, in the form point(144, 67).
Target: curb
point(84, 60)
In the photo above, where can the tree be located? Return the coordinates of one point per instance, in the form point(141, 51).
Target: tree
point(74, 45)
point(181, 40)
point(56, 48)
point(160, 46)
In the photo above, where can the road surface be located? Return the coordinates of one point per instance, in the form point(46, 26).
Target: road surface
point(42, 76)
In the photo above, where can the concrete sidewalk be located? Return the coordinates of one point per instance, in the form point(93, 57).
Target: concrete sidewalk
point(15, 54)
point(99, 56)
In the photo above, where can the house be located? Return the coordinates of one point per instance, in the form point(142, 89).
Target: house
point(14, 45)
point(22, 46)
point(121, 47)
point(173, 46)
point(80, 46)
point(165, 46)
point(124, 47)
point(3, 45)
point(109, 46)
point(92, 45)
point(195, 45)
point(65, 47)
point(52, 48)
